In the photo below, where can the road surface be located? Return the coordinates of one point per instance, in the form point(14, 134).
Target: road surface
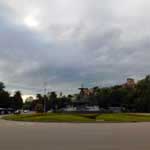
point(69, 136)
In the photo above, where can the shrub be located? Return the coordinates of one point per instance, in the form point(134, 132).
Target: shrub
point(39, 108)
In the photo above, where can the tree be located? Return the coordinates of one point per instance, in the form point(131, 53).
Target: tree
point(2, 86)
point(39, 97)
point(18, 101)
point(29, 99)
point(142, 101)
point(104, 97)
point(27, 105)
point(5, 101)
point(63, 102)
point(45, 103)
point(39, 108)
point(53, 101)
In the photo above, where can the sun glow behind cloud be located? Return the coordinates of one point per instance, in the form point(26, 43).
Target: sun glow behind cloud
point(31, 21)
point(32, 18)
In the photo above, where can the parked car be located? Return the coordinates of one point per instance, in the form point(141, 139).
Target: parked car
point(17, 112)
point(10, 110)
point(26, 111)
point(3, 111)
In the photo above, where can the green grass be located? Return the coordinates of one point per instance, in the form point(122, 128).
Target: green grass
point(50, 117)
point(62, 117)
point(123, 117)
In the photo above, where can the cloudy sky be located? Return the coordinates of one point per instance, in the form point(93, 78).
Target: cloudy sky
point(64, 43)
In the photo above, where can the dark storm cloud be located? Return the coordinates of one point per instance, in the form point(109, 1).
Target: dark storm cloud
point(72, 42)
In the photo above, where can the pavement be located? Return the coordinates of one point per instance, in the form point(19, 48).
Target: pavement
point(74, 136)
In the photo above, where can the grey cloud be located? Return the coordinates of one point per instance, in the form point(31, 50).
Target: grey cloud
point(90, 42)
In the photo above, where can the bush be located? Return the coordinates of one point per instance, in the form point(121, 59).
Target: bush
point(39, 108)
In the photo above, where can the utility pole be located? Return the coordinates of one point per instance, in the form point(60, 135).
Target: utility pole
point(45, 90)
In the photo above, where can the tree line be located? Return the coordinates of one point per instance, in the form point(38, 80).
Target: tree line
point(130, 99)
point(135, 99)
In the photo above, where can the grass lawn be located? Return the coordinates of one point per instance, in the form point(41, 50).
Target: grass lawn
point(124, 117)
point(49, 117)
point(62, 117)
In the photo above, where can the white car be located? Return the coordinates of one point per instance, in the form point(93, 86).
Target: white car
point(25, 111)
point(17, 112)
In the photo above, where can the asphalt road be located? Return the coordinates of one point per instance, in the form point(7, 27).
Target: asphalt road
point(68, 136)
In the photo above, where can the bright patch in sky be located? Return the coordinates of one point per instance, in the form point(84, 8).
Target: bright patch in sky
point(31, 21)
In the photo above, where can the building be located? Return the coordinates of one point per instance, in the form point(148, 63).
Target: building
point(86, 91)
point(130, 83)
